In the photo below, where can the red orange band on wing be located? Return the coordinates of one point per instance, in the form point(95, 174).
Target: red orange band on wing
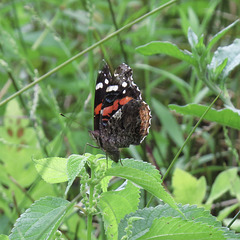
point(108, 110)
point(97, 109)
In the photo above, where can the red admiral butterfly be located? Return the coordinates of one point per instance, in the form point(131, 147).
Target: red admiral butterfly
point(121, 117)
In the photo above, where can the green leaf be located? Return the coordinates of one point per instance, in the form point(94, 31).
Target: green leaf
point(227, 211)
point(75, 164)
point(167, 48)
point(52, 170)
point(114, 205)
point(144, 175)
point(222, 184)
point(227, 116)
point(231, 52)
point(218, 36)
point(18, 143)
point(148, 215)
point(218, 70)
point(192, 38)
point(235, 188)
point(168, 122)
point(41, 220)
point(168, 228)
point(188, 189)
point(3, 237)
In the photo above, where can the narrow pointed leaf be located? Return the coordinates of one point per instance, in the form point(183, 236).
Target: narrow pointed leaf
point(218, 36)
point(167, 48)
point(227, 116)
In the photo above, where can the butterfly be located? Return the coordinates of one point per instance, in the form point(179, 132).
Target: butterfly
point(121, 117)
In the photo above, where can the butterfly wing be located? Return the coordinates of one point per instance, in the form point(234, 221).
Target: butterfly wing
point(103, 80)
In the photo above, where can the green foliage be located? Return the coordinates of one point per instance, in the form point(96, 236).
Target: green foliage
point(162, 229)
point(41, 220)
point(52, 170)
point(119, 208)
point(188, 189)
point(145, 176)
point(166, 48)
point(115, 205)
point(226, 116)
point(154, 222)
point(225, 181)
point(181, 57)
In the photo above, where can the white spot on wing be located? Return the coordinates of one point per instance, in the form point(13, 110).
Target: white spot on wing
point(117, 114)
point(99, 85)
point(124, 91)
point(124, 84)
point(112, 88)
point(106, 81)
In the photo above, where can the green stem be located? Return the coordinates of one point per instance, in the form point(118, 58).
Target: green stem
point(85, 51)
point(89, 227)
point(234, 219)
point(188, 138)
point(90, 216)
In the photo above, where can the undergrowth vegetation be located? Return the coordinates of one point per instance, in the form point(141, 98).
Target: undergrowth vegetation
point(182, 182)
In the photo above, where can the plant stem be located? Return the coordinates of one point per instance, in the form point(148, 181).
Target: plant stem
point(85, 51)
point(234, 219)
point(90, 215)
point(188, 138)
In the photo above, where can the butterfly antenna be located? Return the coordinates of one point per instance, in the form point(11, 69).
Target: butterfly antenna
point(72, 120)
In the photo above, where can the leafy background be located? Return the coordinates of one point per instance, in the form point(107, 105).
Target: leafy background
point(37, 36)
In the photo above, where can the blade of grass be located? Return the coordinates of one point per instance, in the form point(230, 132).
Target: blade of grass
point(188, 138)
point(85, 51)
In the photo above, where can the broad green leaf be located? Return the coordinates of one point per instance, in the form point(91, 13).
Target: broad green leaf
point(231, 52)
point(168, 122)
point(18, 143)
point(227, 116)
point(168, 228)
point(52, 170)
point(147, 215)
point(41, 220)
point(114, 205)
point(188, 189)
point(222, 184)
point(167, 48)
point(3, 237)
point(218, 36)
point(75, 164)
point(144, 175)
